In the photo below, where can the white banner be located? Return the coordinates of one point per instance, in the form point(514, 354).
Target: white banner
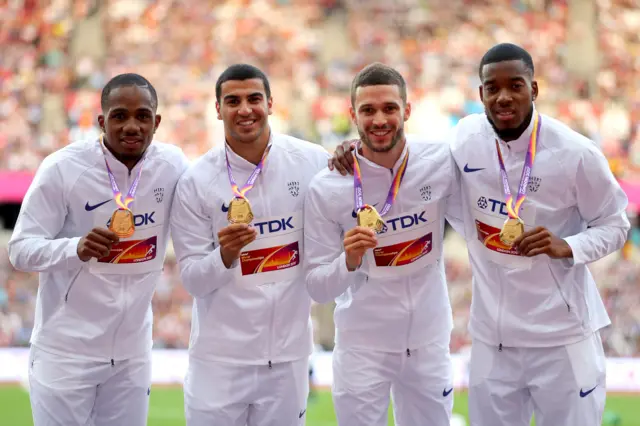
point(170, 366)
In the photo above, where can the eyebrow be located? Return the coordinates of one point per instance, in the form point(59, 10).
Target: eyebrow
point(123, 109)
point(493, 80)
point(232, 96)
point(384, 104)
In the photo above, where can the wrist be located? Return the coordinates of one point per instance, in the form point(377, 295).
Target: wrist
point(352, 265)
point(227, 258)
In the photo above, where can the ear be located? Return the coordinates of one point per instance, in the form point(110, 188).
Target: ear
point(101, 123)
point(158, 120)
point(481, 93)
point(352, 113)
point(407, 111)
point(218, 110)
point(534, 90)
point(270, 105)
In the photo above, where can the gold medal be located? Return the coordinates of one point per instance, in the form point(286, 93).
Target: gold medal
point(369, 217)
point(511, 230)
point(122, 223)
point(239, 211)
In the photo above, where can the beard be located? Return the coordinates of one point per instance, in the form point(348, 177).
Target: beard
point(511, 134)
point(396, 138)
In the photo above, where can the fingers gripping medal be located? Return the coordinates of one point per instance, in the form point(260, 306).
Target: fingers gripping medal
point(122, 223)
point(367, 215)
point(239, 207)
point(514, 226)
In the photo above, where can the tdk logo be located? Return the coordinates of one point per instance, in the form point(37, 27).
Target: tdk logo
point(277, 225)
point(140, 219)
point(496, 206)
point(404, 222)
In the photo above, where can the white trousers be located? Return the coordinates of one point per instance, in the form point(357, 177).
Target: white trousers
point(420, 386)
point(222, 394)
point(70, 392)
point(561, 385)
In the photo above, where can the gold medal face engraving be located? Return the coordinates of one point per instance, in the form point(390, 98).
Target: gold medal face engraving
point(511, 230)
point(122, 223)
point(369, 217)
point(239, 211)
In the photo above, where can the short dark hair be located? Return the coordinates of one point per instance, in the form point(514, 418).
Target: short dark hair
point(506, 52)
point(377, 74)
point(128, 79)
point(242, 72)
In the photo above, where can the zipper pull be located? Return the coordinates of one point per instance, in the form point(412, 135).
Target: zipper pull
point(568, 308)
point(408, 353)
point(270, 365)
point(500, 347)
point(112, 362)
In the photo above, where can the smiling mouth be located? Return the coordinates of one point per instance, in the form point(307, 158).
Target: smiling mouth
point(246, 123)
point(505, 115)
point(380, 133)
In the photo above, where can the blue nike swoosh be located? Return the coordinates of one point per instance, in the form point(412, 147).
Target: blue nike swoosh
point(224, 208)
point(583, 394)
point(467, 169)
point(355, 215)
point(446, 393)
point(88, 208)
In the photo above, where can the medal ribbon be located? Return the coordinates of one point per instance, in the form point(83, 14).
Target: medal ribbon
point(512, 210)
point(117, 194)
point(393, 191)
point(240, 193)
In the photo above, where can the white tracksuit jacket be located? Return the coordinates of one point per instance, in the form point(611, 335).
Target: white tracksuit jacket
point(256, 312)
point(537, 302)
point(381, 307)
point(95, 310)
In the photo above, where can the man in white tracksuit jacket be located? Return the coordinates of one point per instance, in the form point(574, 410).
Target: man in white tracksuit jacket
point(251, 334)
point(91, 343)
point(536, 311)
point(393, 316)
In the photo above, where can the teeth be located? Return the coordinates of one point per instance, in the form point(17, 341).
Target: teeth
point(380, 133)
point(246, 123)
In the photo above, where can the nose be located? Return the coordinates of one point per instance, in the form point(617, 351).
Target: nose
point(131, 126)
point(379, 119)
point(504, 97)
point(245, 109)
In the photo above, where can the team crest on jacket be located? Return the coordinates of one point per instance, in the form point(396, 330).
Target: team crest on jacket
point(159, 194)
point(534, 184)
point(294, 188)
point(482, 203)
point(425, 193)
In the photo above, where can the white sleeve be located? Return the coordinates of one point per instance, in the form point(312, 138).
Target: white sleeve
point(201, 267)
point(326, 271)
point(34, 246)
point(453, 211)
point(601, 203)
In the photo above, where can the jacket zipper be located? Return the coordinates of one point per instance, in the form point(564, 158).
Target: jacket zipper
point(410, 300)
point(564, 299)
point(73, 281)
point(500, 302)
point(123, 292)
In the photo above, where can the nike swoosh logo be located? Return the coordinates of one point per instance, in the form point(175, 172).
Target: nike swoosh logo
point(224, 208)
point(355, 215)
point(446, 393)
point(583, 394)
point(89, 208)
point(467, 169)
point(302, 413)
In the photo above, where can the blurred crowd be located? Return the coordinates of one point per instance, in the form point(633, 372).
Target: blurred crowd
point(55, 56)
